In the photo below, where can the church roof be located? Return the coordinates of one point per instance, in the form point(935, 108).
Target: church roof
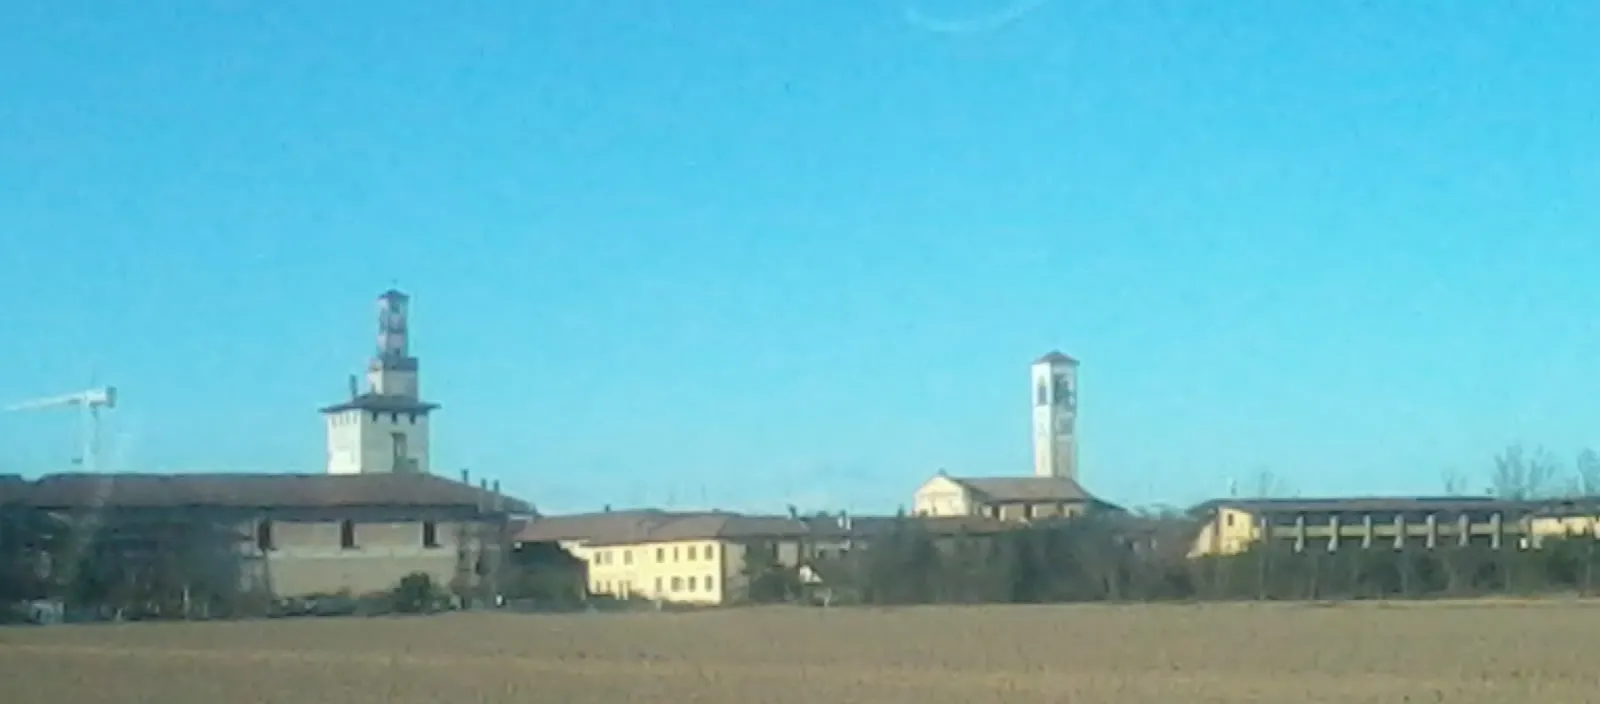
point(1055, 357)
point(1025, 488)
point(381, 403)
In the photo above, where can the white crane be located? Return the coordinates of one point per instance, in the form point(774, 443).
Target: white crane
point(88, 403)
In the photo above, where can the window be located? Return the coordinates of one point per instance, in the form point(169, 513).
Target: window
point(627, 557)
point(347, 535)
point(661, 554)
point(677, 584)
point(430, 534)
point(264, 535)
point(400, 453)
point(1042, 395)
point(711, 584)
point(1229, 520)
point(674, 553)
point(711, 552)
point(691, 584)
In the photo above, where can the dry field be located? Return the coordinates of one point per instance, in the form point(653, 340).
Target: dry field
point(1462, 652)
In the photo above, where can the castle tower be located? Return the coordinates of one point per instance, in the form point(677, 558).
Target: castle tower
point(1055, 412)
point(385, 428)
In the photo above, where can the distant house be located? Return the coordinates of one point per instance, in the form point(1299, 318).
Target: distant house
point(710, 558)
point(296, 534)
point(1004, 498)
point(1231, 526)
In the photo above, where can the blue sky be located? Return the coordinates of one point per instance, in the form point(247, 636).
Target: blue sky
point(804, 252)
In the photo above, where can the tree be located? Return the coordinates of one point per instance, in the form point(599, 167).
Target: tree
point(1520, 475)
point(1271, 486)
point(29, 540)
point(1587, 471)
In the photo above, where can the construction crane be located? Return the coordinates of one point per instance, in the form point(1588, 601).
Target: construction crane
point(88, 403)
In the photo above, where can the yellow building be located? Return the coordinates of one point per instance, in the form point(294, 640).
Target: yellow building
point(1231, 526)
point(696, 558)
point(708, 558)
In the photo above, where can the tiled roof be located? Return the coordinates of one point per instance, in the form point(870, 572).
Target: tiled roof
point(651, 526)
point(606, 526)
point(1055, 357)
point(1025, 488)
point(1360, 504)
point(382, 403)
point(67, 491)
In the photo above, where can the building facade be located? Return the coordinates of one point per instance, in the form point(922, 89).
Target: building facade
point(1233, 526)
point(710, 558)
point(290, 535)
point(1003, 498)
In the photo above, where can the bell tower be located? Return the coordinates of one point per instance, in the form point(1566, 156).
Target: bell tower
point(385, 428)
point(1055, 414)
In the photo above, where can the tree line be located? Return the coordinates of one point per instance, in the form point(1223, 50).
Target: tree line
point(1113, 559)
point(1145, 557)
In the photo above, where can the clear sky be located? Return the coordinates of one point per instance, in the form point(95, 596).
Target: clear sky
point(804, 251)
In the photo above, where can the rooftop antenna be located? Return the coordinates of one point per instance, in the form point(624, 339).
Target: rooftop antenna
point(353, 389)
point(1233, 488)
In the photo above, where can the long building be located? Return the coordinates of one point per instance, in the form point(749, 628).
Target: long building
point(290, 535)
point(1232, 526)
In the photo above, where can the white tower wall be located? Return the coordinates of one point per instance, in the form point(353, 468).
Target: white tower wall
point(365, 442)
point(1055, 413)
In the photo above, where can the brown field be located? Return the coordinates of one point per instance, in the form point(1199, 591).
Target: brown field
point(1460, 652)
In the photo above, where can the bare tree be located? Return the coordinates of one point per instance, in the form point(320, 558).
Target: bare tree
point(1271, 486)
point(1587, 471)
point(1454, 484)
point(1520, 475)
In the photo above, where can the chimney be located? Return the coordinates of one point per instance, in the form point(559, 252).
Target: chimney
point(466, 477)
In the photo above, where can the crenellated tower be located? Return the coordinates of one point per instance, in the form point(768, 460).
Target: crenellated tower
point(385, 427)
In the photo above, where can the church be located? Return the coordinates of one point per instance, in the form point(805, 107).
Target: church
point(1053, 491)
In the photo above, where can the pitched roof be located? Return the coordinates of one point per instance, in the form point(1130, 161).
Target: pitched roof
point(1363, 504)
point(653, 526)
point(381, 403)
point(265, 491)
point(1055, 357)
point(1025, 488)
point(606, 526)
